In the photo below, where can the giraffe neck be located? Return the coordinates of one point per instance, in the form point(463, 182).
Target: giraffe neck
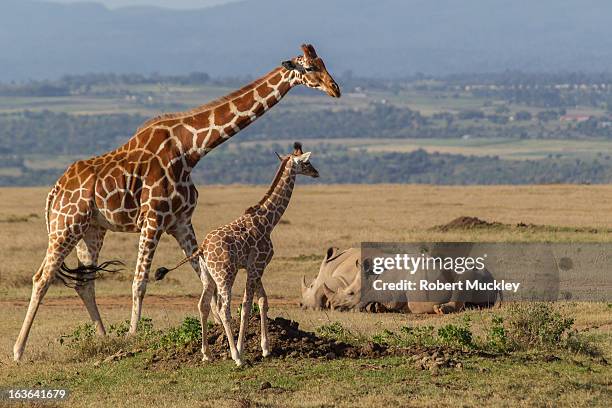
point(273, 205)
point(214, 123)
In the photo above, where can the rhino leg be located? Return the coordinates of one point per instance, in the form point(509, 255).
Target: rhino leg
point(450, 307)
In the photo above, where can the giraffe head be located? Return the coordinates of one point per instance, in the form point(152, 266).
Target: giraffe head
point(310, 71)
point(300, 161)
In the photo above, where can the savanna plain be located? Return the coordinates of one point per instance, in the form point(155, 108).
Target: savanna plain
point(318, 217)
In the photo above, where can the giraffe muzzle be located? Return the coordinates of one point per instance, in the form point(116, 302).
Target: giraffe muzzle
point(333, 90)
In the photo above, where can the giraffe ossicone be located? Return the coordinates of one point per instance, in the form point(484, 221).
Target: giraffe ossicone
point(246, 243)
point(145, 185)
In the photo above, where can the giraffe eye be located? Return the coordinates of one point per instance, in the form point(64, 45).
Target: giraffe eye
point(310, 69)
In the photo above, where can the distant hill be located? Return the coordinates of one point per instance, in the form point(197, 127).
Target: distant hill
point(369, 37)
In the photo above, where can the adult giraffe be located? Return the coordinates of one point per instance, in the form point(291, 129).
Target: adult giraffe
point(145, 186)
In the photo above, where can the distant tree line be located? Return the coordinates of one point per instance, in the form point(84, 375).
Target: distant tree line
point(61, 133)
point(548, 90)
point(339, 164)
point(49, 132)
point(82, 84)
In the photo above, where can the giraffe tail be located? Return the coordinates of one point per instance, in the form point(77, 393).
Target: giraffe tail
point(160, 273)
point(49, 203)
point(73, 277)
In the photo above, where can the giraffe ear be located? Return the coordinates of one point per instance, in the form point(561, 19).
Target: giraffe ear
point(309, 51)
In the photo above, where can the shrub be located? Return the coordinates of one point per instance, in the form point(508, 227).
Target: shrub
point(335, 331)
point(386, 337)
point(536, 325)
point(254, 310)
point(457, 336)
point(407, 337)
point(190, 331)
point(145, 328)
point(580, 344)
point(84, 342)
point(497, 339)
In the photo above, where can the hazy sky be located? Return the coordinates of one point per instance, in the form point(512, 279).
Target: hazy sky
point(178, 4)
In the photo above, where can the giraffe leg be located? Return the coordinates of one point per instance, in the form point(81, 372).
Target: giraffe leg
point(263, 314)
point(185, 236)
point(57, 251)
point(214, 306)
point(88, 250)
point(204, 307)
point(245, 313)
point(149, 237)
point(225, 294)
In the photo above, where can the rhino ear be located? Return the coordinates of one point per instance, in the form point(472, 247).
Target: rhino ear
point(331, 251)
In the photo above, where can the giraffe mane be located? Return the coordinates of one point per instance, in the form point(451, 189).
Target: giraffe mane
point(277, 177)
point(209, 105)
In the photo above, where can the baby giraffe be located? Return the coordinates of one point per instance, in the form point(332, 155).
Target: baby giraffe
point(246, 243)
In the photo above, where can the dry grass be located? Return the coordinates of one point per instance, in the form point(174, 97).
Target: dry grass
point(318, 217)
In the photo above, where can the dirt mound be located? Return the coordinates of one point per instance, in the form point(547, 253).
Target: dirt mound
point(465, 222)
point(286, 340)
point(468, 223)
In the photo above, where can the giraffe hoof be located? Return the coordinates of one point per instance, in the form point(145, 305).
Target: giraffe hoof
point(265, 353)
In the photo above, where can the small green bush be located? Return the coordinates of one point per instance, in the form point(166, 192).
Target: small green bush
point(85, 343)
point(335, 331)
point(408, 336)
point(80, 334)
point(457, 335)
point(144, 330)
point(536, 325)
point(497, 340)
point(190, 331)
point(386, 337)
point(418, 335)
point(254, 310)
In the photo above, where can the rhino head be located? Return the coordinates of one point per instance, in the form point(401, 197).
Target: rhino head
point(346, 297)
point(336, 271)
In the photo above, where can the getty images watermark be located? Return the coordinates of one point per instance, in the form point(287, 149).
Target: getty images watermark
point(483, 273)
point(412, 264)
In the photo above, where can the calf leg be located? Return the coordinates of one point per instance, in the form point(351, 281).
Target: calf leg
point(204, 307)
point(185, 236)
point(245, 313)
point(224, 278)
point(263, 314)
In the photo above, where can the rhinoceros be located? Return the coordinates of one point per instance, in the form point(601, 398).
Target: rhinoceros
point(338, 287)
point(337, 270)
